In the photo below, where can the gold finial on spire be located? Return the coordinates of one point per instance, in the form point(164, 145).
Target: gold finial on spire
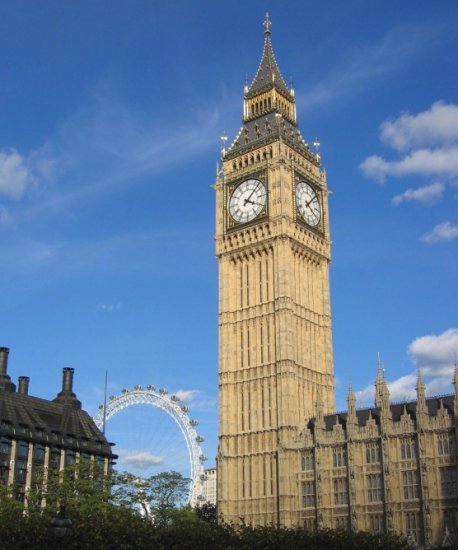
point(267, 23)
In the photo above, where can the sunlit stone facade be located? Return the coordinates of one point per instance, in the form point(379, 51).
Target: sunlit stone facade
point(284, 456)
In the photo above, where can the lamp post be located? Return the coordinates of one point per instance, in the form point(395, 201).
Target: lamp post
point(60, 525)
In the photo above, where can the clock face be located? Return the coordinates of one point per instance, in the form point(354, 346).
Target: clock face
point(247, 201)
point(308, 204)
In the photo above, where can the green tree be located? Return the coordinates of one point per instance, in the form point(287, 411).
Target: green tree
point(207, 512)
point(78, 486)
point(154, 496)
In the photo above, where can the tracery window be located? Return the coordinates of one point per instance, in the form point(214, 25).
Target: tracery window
point(372, 453)
point(451, 521)
point(308, 494)
point(339, 457)
point(307, 460)
point(374, 488)
point(413, 526)
point(375, 523)
point(341, 522)
point(408, 449)
point(445, 444)
point(449, 482)
point(340, 491)
point(410, 484)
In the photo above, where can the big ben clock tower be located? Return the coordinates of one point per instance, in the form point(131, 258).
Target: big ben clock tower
point(275, 343)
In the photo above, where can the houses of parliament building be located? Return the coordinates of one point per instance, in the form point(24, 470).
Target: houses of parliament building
point(285, 457)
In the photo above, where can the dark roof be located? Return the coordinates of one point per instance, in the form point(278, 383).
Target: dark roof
point(266, 129)
point(59, 423)
point(269, 126)
point(268, 73)
point(433, 404)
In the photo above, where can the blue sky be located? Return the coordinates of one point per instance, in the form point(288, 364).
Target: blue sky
point(110, 119)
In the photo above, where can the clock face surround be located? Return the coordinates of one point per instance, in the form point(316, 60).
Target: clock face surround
point(308, 204)
point(247, 200)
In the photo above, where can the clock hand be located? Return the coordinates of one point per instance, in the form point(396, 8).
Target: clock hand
point(251, 194)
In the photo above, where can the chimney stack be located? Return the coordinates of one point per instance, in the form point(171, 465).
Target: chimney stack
point(66, 395)
point(4, 360)
point(67, 380)
point(5, 380)
point(23, 385)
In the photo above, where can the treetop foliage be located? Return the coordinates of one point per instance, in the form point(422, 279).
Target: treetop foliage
point(146, 514)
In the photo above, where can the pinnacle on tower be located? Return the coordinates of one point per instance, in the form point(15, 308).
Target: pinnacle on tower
point(351, 394)
point(379, 366)
point(268, 74)
point(420, 384)
point(351, 402)
point(421, 399)
point(269, 109)
point(455, 377)
point(382, 394)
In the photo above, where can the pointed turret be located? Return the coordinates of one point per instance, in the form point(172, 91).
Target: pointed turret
point(455, 383)
point(382, 394)
point(420, 386)
point(268, 92)
point(268, 74)
point(421, 398)
point(269, 109)
point(455, 377)
point(351, 407)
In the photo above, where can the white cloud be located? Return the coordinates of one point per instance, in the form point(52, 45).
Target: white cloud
point(427, 194)
point(365, 397)
point(424, 162)
point(403, 388)
point(428, 143)
point(141, 460)
point(108, 307)
point(187, 395)
point(444, 231)
point(434, 354)
point(197, 399)
point(439, 385)
point(15, 175)
point(436, 126)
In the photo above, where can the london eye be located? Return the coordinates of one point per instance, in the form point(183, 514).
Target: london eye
point(174, 430)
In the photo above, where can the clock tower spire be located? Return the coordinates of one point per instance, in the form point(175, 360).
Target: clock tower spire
point(275, 347)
